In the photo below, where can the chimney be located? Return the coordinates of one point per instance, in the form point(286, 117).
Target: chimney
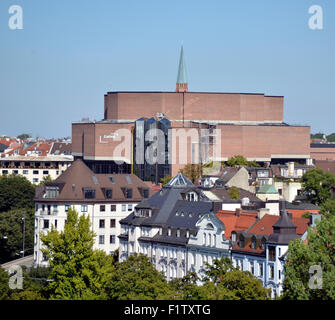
point(290, 169)
point(262, 212)
point(238, 212)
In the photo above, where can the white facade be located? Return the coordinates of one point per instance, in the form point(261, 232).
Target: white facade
point(35, 168)
point(177, 260)
point(104, 218)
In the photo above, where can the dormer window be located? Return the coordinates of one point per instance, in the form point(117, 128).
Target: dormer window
point(241, 242)
point(178, 232)
point(129, 193)
point(187, 233)
point(233, 237)
point(253, 243)
point(89, 193)
point(109, 193)
point(169, 232)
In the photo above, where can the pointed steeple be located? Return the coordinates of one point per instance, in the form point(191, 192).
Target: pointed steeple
point(182, 85)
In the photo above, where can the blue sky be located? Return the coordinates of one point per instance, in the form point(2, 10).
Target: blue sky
point(70, 53)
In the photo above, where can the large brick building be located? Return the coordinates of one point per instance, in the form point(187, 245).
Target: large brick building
point(247, 124)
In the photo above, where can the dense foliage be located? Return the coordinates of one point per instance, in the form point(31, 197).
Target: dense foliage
point(240, 161)
point(317, 185)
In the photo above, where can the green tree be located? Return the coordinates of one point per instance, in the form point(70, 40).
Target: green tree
point(24, 136)
point(328, 208)
point(15, 192)
point(240, 160)
point(225, 282)
point(4, 287)
point(137, 279)
point(186, 288)
point(234, 193)
point(192, 172)
point(317, 185)
point(78, 272)
point(11, 233)
point(45, 180)
point(318, 251)
point(331, 137)
point(165, 180)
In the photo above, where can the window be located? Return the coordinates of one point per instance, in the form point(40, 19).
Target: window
point(83, 208)
point(169, 232)
point(280, 191)
point(4, 171)
point(187, 233)
point(102, 208)
point(129, 193)
point(279, 252)
point(101, 239)
point(109, 193)
point(35, 171)
point(241, 242)
point(35, 180)
point(52, 192)
point(67, 206)
point(233, 237)
point(124, 207)
point(204, 239)
point(55, 208)
point(279, 275)
point(113, 207)
point(55, 224)
point(45, 224)
point(145, 193)
point(112, 223)
point(260, 269)
point(25, 171)
point(271, 272)
point(252, 268)
point(89, 193)
point(112, 239)
point(130, 207)
point(45, 171)
point(253, 243)
point(44, 257)
point(178, 232)
point(272, 253)
point(102, 223)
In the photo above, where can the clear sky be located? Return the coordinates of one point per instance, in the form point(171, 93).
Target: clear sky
point(70, 53)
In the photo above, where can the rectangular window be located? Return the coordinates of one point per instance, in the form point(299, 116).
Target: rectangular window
point(112, 239)
point(112, 223)
point(130, 207)
point(55, 208)
point(15, 171)
point(89, 193)
point(55, 224)
point(35, 171)
point(101, 239)
point(113, 207)
point(102, 208)
point(272, 253)
point(67, 206)
point(25, 171)
point(35, 180)
point(261, 269)
point(129, 193)
point(279, 275)
point(4, 171)
point(109, 193)
point(102, 223)
point(83, 208)
point(45, 172)
point(252, 268)
point(45, 224)
point(124, 207)
point(271, 272)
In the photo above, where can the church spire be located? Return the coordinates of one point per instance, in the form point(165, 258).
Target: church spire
point(181, 85)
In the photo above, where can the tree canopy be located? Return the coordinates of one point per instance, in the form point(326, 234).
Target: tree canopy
point(192, 172)
point(240, 160)
point(77, 271)
point(11, 233)
point(15, 192)
point(234, 193)
point(318, 253)
point(317, 185)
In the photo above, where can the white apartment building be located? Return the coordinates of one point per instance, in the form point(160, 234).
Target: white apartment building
point(105, 198)
point(34, 167)
point(176, 228)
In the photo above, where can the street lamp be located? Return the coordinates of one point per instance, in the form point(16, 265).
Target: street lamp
point(24, 230)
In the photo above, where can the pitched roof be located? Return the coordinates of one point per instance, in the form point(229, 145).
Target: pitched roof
point(179, 181)
point(223, 194)
point(234, 222)
point(78, 177)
